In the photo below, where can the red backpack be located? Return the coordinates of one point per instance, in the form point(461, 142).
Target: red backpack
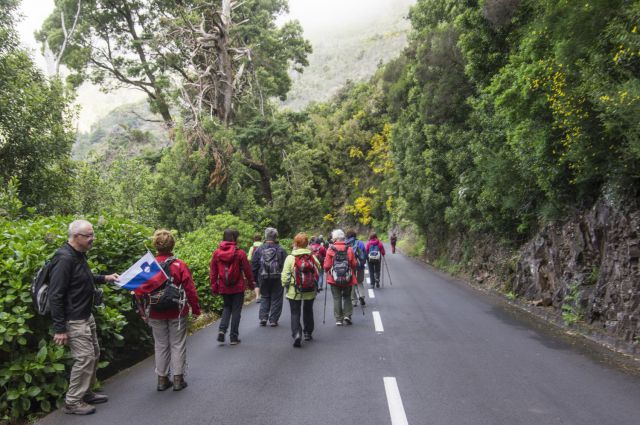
point(305, 273)
point(229, 273)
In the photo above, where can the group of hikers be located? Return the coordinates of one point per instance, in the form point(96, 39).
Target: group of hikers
point(268, 268)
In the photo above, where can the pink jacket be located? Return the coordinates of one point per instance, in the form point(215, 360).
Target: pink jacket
point(375, 241)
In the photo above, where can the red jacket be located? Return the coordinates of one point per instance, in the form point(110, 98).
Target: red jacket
point(375, 241)
point(322, 251)
point(181, 277)
point(225, 253)
point(328, 262)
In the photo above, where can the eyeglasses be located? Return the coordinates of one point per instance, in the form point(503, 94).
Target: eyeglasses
point(87, 235)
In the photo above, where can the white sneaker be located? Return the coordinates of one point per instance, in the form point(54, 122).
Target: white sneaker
point(339, 323)
point(347, 320)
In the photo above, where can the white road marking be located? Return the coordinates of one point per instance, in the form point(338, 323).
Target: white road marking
point(371, 293)
point(377, 321)
point(396, 409)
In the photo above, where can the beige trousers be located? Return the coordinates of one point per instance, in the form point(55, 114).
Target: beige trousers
point(85, 351)
point(170, 344)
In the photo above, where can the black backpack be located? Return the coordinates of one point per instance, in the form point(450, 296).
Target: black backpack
point(341, 270)
point(40, 288)
point(168, 296)
point(269, 262)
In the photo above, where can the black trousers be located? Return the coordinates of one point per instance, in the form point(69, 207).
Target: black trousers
point(374, 272)
point(271, 291)
point(307, 316)
point(232, 310)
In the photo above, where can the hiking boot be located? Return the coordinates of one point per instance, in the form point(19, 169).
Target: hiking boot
point(234, 341)
point(95, 398)
point(79, 408)
point(362, 301)
point(339, 323)
point(273, 324)
point(307, 336)
point(163, 383)
point(347, 320)
point(263, 323)
point(220, 336)
point(296, 340)
point(179, 383)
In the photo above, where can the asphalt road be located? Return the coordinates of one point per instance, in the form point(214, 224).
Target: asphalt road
point(427, 351)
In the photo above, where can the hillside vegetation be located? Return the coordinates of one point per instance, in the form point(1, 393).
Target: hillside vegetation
point(128, 130)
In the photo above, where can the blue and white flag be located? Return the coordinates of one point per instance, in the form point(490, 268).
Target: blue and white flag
point(144, 276)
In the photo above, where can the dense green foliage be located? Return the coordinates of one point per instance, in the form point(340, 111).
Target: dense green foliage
point(35, 135)
point(505, 112)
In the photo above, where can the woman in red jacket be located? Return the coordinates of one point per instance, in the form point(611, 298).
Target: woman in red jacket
point(169, 327)
point(230, 275)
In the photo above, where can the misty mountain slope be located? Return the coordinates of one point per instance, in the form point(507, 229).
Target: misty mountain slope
point(130, 129)
point(350, 54)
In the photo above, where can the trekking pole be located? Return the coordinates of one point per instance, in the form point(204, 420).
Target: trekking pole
point(387, 267)
point(324, 310)
point(358, 295)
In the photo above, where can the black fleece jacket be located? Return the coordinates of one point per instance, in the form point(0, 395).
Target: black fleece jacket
point(71, 287)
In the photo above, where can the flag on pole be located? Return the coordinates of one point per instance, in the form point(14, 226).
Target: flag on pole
point(144, 276)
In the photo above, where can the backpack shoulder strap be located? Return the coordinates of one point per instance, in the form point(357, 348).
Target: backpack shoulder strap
point(166, 266)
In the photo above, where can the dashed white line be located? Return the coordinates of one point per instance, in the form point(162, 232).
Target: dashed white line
point(396, 409)
point(377, 322)
point(371, 293)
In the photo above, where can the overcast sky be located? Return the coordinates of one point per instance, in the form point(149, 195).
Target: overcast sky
point(316, 16)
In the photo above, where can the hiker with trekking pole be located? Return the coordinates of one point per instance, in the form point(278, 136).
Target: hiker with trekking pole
point(357, 294)
point(340, 265)
point(375, 254)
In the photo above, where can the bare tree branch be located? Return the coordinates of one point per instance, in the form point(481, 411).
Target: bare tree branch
point(67, 35)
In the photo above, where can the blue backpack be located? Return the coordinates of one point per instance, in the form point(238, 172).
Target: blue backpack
point(374, 253)
point(361, 256)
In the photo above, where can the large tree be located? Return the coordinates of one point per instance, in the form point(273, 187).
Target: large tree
point(222, 59)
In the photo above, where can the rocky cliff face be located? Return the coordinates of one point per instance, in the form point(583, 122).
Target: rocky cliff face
point(588, 265)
